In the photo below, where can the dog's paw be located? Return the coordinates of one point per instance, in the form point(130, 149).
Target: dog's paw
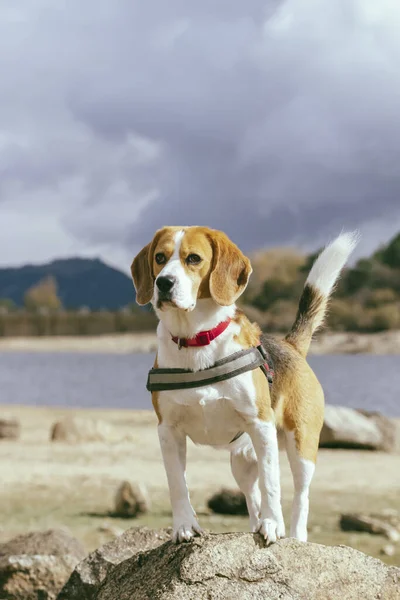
point(271, 530)
point(186, 531)
point(299, 533)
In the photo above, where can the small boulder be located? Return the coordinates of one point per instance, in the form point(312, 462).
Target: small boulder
point(91, 572)
point(347, 428)
point(228, 502)
point(77, 429)
point(388, 550)
point(10, 428)
point(131, 500)
point(374, 523)
point(36, 565)
point(238, 565)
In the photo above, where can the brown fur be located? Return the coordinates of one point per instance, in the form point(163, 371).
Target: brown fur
point(223, 273)
point(297, 396)
point(296, 400)
point(154, 398)
point(230, 272)
point(250, 333)
point(142, 272)
point(310, 314)
point(249, 336)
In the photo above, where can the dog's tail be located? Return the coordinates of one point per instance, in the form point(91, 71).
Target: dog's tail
point(318, 288)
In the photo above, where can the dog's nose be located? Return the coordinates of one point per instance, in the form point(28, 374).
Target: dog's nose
point(165, 284)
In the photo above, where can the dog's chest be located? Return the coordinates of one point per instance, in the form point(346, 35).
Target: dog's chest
point(213, 414)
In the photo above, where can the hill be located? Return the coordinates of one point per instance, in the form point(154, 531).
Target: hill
point(80, 282)
point(367, 298)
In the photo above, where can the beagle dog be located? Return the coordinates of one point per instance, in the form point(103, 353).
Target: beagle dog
point(193, 276)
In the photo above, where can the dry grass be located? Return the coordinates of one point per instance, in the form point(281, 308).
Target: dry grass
point(48, 484)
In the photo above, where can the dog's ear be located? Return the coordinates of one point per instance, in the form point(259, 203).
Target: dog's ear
point(230, 270)
point(142, 274)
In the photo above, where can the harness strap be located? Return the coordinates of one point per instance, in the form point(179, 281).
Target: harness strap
point(180, 379)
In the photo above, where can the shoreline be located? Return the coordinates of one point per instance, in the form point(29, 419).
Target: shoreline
point(387, 342)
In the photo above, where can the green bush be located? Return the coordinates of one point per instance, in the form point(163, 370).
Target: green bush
point(391, 254)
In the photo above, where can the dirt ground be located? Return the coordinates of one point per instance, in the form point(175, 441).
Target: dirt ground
point(47, 484)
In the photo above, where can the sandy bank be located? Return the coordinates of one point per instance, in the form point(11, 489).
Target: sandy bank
point(48, 484)
point(387, 342)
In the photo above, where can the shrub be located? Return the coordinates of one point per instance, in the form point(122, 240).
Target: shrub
point(386, 317)
point(281, 316)
point(347, 315)
point(43, 295)
point(376, 298)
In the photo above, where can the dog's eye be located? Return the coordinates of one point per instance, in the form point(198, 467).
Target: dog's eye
point(160, 258)
point(193, 259)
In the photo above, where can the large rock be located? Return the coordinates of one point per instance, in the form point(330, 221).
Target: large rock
point(387, 428)
point(237, 565)
point(36, 565)
point(228, 502)
point(347, 428)
point(89, 574)
point(131, 499)
point(77, 429)
point(10, 428)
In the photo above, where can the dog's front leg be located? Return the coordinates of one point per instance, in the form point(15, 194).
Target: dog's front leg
point(265, 442)
point(173, 448)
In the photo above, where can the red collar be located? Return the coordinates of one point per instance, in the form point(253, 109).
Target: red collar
point(203, 338)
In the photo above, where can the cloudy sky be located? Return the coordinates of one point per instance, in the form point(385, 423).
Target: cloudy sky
point(276, 121)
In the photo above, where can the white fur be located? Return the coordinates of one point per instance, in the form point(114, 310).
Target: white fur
point(326, 269)
point(173, 448)
point(211, 415)
point(214, 414)
point(265, 442)
point(245, 471)
point(182, 292)
point(302, 471)
point(206, 315)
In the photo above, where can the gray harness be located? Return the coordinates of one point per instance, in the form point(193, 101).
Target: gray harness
point(240, 362)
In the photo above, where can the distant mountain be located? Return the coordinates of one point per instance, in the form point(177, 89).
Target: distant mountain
point(80, 282)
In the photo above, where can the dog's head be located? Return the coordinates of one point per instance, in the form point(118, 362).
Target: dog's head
point(183, 264)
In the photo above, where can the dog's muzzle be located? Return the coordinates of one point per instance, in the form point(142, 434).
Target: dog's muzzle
point(165, 285)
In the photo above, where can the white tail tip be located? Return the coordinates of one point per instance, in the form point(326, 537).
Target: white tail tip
point(326, 269)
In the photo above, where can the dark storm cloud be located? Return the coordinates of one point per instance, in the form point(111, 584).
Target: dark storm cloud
point(275, 121)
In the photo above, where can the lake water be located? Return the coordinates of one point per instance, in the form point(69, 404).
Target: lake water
point(118, 381)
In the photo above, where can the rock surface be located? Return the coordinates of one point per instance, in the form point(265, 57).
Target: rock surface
point(228, 502)
point(347, 428)
point(131, 500)
point(387, 428)
point(36, 565)
point(10, 428)
point(89, 574)
point(230, 566)
point(77, 429)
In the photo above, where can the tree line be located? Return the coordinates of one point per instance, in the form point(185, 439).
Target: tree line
point(367, 299)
